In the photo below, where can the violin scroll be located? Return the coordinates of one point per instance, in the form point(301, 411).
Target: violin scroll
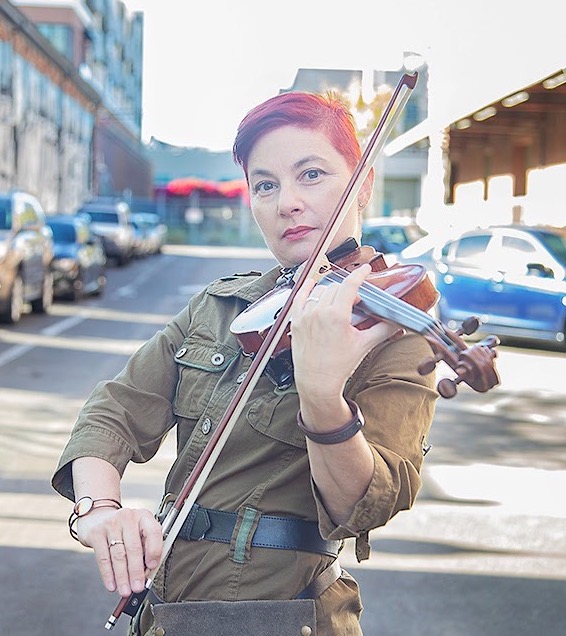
point(472, 365)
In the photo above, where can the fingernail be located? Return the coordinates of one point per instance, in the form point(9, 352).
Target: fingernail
point(124, 591)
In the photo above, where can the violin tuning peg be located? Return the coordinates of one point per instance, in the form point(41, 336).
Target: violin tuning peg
point(469, 326)
point(427, 366)
point(491, 342)
point(447, 388)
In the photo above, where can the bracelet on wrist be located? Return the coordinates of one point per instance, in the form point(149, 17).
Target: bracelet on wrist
point(340, 435)
point(84, 506)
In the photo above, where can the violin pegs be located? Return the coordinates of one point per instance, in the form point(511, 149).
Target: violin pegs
point(429, 364)
point(491, 342)
point(469, 326)
point(447, 387)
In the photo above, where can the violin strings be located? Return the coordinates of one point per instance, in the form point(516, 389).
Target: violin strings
point(415, 319)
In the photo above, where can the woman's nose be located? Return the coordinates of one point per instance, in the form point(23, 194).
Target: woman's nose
point(290, 201)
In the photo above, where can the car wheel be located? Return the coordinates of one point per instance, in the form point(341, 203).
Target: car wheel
point(43, 304)
point(15, 307)
point(123, 259)
point(78, 289)
point(101, 286)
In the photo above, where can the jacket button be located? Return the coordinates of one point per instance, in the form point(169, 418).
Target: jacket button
point(217, 359)
point(206, 426)
point(160, 631)
point(181, 352)
point(306, 630)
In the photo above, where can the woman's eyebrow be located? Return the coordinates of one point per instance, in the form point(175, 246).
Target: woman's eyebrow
point(262, 172)
point(310, 159)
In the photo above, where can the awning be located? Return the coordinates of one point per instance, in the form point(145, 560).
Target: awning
point(511, 103)
point(186, 186)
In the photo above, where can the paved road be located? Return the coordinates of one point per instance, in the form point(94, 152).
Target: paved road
point(483, 552)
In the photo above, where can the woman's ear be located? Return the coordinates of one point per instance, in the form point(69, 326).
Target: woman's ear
point(366, 191)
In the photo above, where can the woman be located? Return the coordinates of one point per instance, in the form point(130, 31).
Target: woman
point(298, 464)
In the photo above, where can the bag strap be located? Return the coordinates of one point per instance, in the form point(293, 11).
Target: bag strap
point(322, 582)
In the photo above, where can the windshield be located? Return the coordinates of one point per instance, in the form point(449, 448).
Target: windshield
point(5, 214)
point(555, 244)
point(102, 217)
point(63, 232)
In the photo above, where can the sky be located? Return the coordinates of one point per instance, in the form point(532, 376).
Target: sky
point(208, 62)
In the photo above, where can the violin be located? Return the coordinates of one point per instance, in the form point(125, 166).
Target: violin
point(402, 294)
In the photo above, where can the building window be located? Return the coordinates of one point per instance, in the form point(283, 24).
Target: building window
point(60, 36)
point(6, 67)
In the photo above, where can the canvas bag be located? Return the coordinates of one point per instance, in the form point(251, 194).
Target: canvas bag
point(233, 618)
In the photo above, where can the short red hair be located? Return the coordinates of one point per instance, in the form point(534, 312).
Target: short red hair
point(327, 114)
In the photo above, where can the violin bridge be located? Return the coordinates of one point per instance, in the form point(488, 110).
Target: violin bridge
point(320, 270)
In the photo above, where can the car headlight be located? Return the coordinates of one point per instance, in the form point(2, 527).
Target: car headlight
point(121, 236)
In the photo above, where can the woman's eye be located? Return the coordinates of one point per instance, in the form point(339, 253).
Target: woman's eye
point(264, 187)
point(313, 174)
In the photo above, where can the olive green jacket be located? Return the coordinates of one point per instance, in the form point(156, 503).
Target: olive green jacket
point(185, 376)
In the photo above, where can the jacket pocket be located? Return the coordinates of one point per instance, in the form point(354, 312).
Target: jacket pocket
point(275, 414)
point(200, 364)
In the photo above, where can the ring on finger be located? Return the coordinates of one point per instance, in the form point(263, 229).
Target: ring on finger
point(314, 299)
point(114, 542)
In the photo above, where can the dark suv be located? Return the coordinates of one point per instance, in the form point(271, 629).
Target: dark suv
point(26, 252)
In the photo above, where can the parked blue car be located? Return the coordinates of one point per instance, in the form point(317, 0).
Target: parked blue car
point(390, 234)
point(513, 278)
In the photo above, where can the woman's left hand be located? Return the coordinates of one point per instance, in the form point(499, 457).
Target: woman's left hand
point(326, 347)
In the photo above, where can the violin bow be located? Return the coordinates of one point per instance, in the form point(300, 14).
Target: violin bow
point(192, 487)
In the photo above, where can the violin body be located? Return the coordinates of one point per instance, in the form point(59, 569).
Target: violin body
point(402, 294)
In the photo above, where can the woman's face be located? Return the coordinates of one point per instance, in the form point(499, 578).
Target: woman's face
point(296, 179)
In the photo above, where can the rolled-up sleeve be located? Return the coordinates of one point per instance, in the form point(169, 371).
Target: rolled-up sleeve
point(398, 407)
point(127, 418)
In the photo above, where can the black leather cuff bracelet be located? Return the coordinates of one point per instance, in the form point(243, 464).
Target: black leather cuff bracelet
point(339, 435)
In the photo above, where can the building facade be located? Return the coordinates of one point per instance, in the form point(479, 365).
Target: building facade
point(70, 101)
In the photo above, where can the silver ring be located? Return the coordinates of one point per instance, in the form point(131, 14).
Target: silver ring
point(115, 542)
point(313, 298)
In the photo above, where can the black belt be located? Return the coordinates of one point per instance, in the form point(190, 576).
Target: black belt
point(281, 533)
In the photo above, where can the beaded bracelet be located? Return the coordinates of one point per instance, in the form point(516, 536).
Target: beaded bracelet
point(339, 435)
point(85, 505)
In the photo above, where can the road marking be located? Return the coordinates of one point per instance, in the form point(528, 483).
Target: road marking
point(27, 341)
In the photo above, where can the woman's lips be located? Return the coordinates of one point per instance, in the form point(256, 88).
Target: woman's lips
point(296, 233)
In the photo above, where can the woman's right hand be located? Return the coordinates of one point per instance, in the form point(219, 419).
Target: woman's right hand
point(127, 543)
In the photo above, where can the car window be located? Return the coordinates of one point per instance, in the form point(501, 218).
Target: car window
point(391, 237)
point(102, 217)
point(63, 232)
point(514, 244)
point(470, 250)
point(555, 244)
point(5, 214)
point(394, 235)
point(513, 255)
